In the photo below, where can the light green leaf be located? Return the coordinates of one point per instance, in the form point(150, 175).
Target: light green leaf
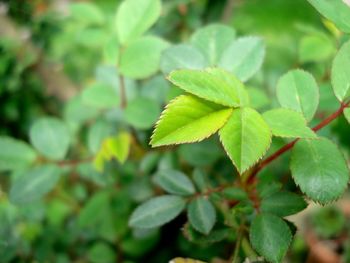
point(316, 48)
point(87, 13)
point(244, 57)
point(188, 119)
point(98, 131)
point(298, 90)
point(100, 96)
point(202, 215)
point(181, 57)
point(111, 51)
point(288, 123)
point(338, 11)
point(283, 204)
point(212, 40)
point(15, 154)
point(117, 147)
point(50, 136)
point(212, 84)
point(101, 253)
point(142, 112)
point(174, 182)
point(319, 168)
point(246, 137)
point(142, 57)
point(347, 114)
point(32, 185)
point(341, 72)
point(270, 236)
point(157, 211)
point(134, 17)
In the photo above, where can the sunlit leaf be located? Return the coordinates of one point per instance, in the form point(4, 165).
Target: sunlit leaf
point(188, 119)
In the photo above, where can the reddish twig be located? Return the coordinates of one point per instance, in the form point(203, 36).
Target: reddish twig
point(290, 145)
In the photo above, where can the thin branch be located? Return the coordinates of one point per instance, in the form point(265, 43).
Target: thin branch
point(290, 145)
point(123, 101)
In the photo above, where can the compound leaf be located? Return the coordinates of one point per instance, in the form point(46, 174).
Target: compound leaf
point(213, 84)
point(298, 90)
point(181, 56)
point(270, 236)
point(32, 185)
point(141, 58)
point(134, 17)
point(283, 204)
point(246, 137)
point(288, 123)
point(338, 11)
point(212, 40)
point(244, 57)
point(174, 182)
point(341, 72)
point(157, 211)
point(15, 154)
point(319, 168)
point(188, 119)
point(51, 137)
point(202, 215)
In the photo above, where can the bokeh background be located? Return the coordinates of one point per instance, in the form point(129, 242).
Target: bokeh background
point(52, 52)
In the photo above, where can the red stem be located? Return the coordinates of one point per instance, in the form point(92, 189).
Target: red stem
point(290, 145)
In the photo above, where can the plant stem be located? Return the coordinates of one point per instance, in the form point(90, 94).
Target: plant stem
point(235, 258)
point(290, 145)
point(122, 94)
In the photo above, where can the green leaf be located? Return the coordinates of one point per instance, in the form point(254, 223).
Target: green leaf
point(157, 211)
point(32, 185)
point(338, 11)
point(111, 51)
point(288, 123)
point(142, 112)
point(117, 147)
point(101, 253)
point(87, 13)
point(212, 40)
point(341, 72)
point(15, 154)
point(134, 17)
point(188, 119)
point(202, 215)
point(319, 168)
point(316, 48)
point(283, 204)
point(346, 114)
point(270, 236)
point(100, 96)
point(51, 137)
point(98, 131)
point(174, 182)
point(246, 137)
point(142, 57)
point(244, 57)
point(181, 57)
point(298, 90)
point(211, 84)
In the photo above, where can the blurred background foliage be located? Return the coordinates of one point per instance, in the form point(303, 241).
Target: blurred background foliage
point(55, 58)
